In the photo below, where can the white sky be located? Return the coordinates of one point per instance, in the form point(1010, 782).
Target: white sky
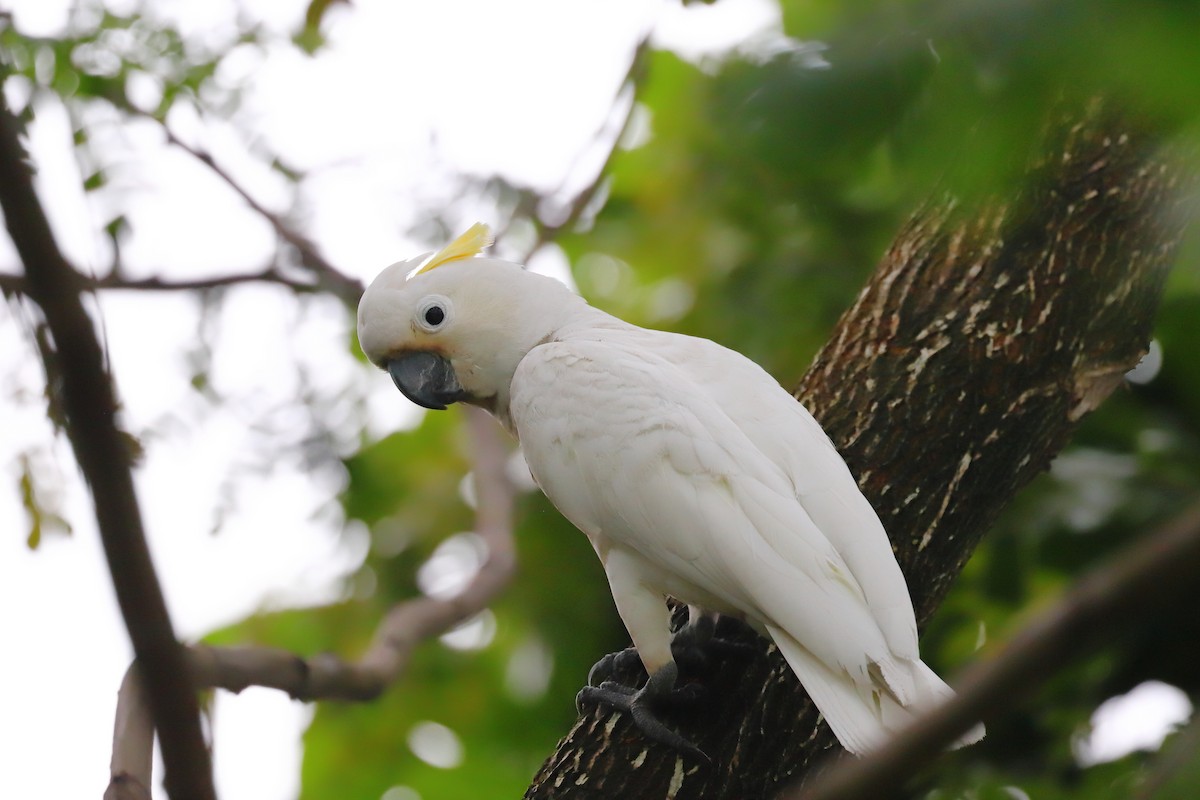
point(405, 96)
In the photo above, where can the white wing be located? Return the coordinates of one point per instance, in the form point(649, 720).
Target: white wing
point(640, 457)
point(784, 432)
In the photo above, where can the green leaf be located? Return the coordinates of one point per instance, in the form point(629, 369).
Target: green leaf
point(42, 520)
point(29, 502)
point(95, 181)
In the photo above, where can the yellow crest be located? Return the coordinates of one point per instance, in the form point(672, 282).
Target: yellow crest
point(475, 240)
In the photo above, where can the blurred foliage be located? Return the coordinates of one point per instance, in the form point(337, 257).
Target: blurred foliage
point(766, 187)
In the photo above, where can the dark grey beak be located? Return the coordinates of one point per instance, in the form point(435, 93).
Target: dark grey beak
point(426, 378)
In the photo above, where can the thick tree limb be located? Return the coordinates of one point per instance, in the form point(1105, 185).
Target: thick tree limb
point(1154, 576)
point(90, 403)
point(961, 370)
point(325, 676)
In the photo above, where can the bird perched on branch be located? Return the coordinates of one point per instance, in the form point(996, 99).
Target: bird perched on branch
point(691, 471)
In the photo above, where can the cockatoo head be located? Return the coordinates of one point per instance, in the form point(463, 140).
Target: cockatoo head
point(456, 329)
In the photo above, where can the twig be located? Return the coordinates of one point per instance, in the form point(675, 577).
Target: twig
point(631, 85)
point(17, 284)
point(325, 676)
point(89, 399)
point(328, 277)
point(1155, 574)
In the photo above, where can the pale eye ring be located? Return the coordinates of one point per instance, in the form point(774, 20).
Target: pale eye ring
point(433, 313)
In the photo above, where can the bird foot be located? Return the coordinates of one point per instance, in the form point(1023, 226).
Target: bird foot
point(697, 645)
point(641, 704)
point(624, 661)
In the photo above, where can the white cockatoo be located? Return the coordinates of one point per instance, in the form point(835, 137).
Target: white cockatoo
point(691, 471)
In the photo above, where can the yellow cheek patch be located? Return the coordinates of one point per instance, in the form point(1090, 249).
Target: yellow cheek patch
point(477, 238)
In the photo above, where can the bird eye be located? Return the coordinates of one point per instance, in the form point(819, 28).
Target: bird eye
point(433, 313)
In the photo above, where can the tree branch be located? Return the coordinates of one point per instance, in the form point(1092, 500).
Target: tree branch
point(133, 742)
point(18, 285)
point(328, 277)
point(89, 399)
point(1153, 576)
point(631, 84)
point(325, 676)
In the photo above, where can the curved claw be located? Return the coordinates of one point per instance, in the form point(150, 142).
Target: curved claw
point(581, 697)
point(694, 646)
point(601, 669)
point(639, 703)
point(621, 661)
point(609, 693)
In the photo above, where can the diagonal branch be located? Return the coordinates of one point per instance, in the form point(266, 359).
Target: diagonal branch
point(1155, 576)
point(631, 84)
point(328, 277)
point(546, 232)
point(89, 399)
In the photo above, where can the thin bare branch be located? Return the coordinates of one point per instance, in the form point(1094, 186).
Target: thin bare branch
point(133, 742)
point(631, 86)
point(328, 277)
point(16, 284)
point(407, 624)
point(1153, 576)
point(88, 397)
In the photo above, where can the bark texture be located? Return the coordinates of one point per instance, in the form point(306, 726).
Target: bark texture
point(963, 367)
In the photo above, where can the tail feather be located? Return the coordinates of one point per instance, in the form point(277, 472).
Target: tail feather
point(864, 716)
point(936, 691)
point(899, 680)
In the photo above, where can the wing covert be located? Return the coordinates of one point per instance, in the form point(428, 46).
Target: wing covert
point(638, 456)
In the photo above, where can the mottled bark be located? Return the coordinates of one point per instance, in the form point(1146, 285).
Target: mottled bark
point(960, 371)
